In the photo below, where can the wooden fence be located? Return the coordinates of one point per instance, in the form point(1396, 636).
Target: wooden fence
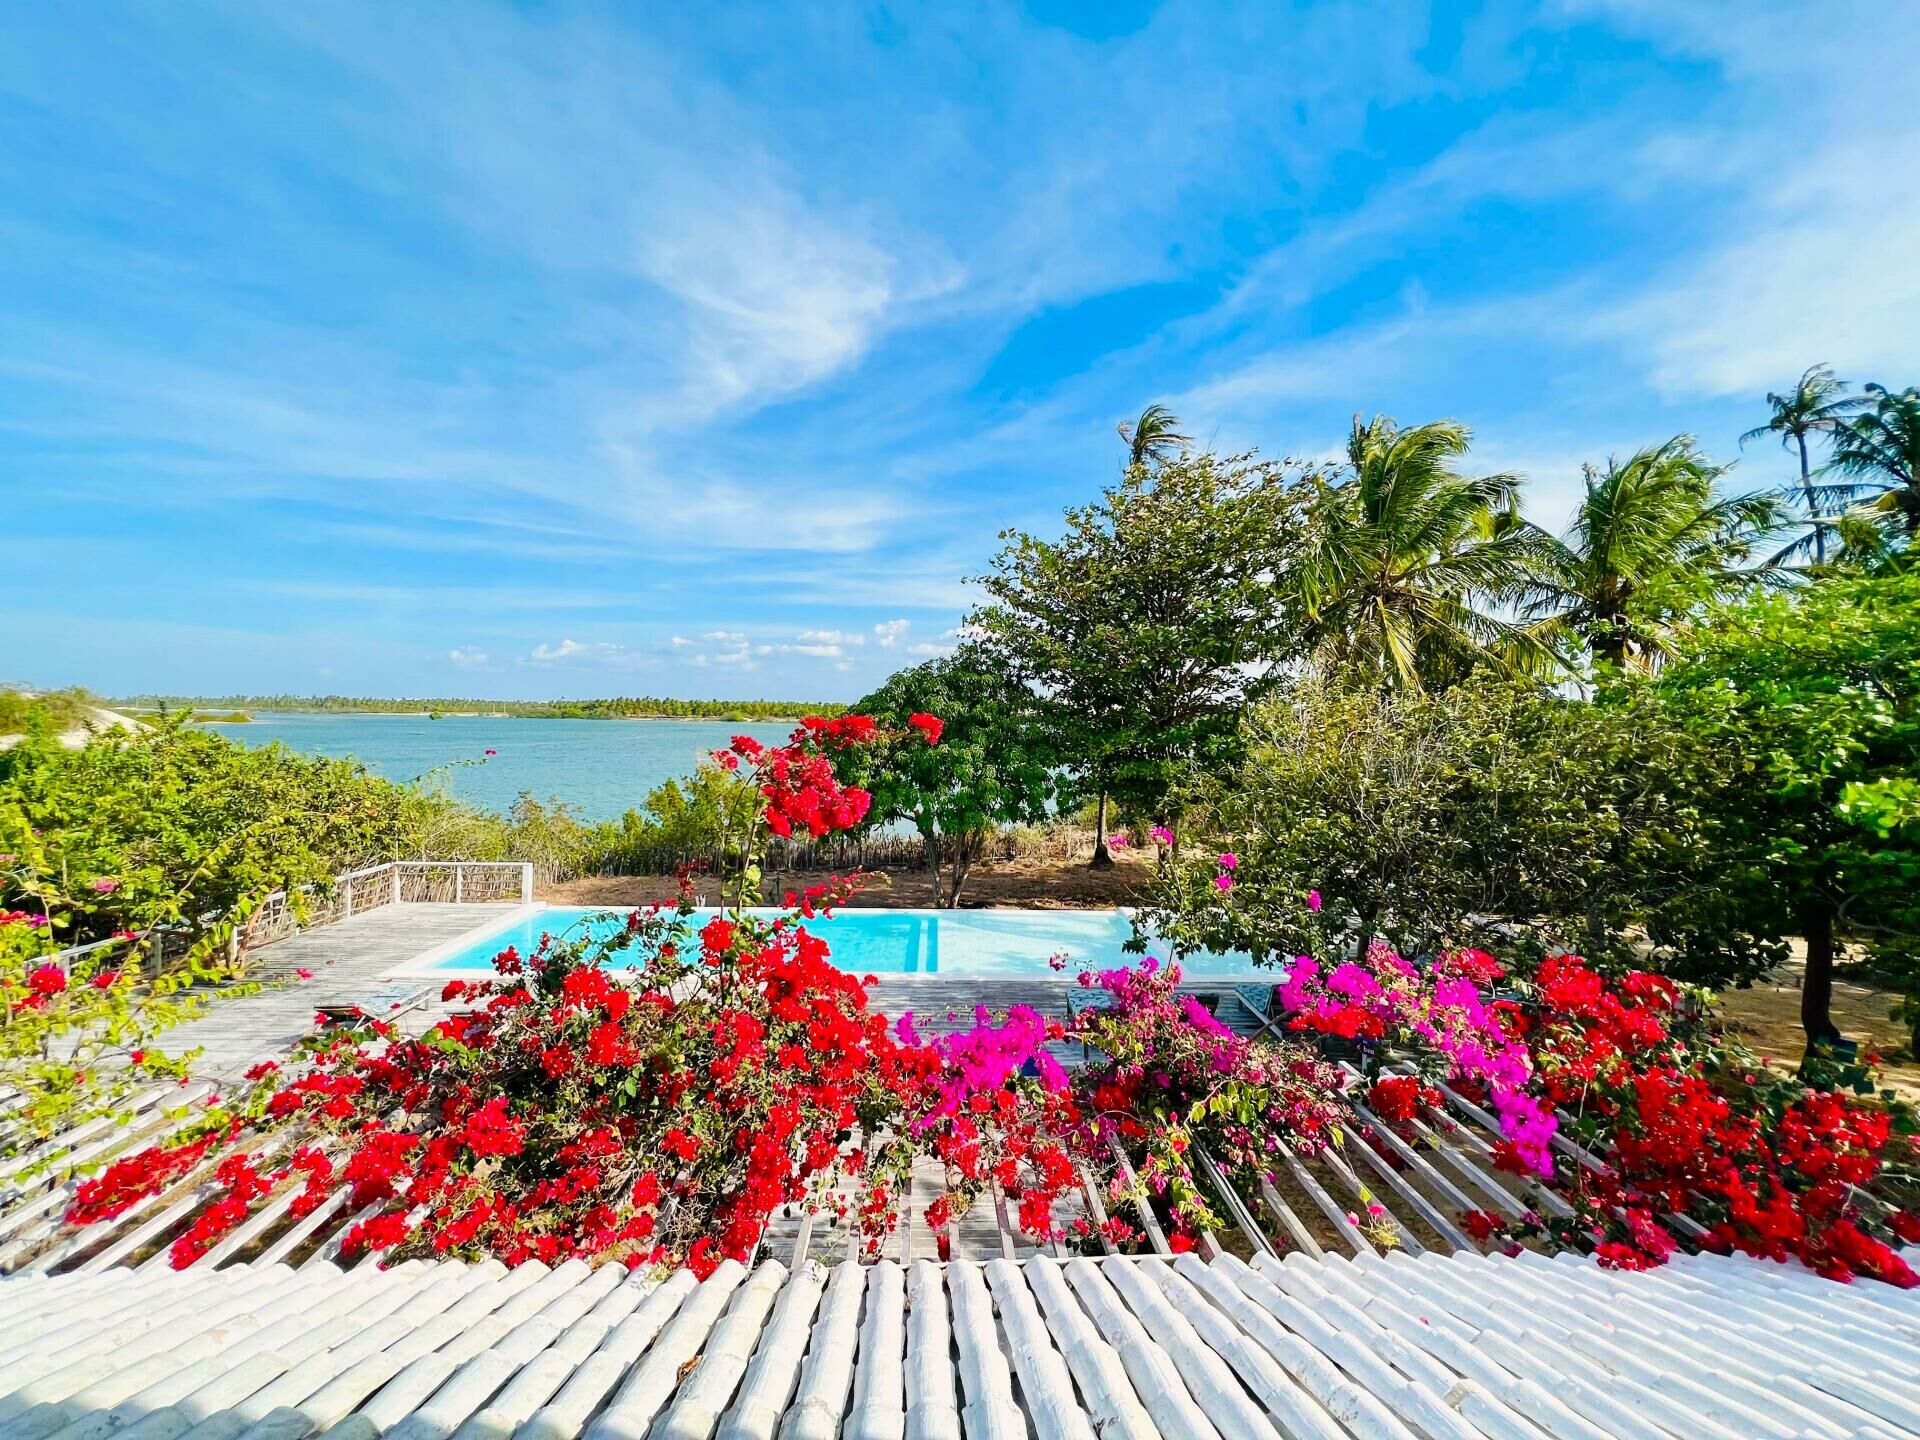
point(396, 882)
point(841, 853)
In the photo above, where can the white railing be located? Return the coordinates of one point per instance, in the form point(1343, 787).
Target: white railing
point(395, 882)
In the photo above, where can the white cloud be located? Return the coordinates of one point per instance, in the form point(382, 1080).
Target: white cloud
point(890, 632)
point(725, 637)
point(467, 657)
point(1794, 283)
point(598, 651)
point(832, 637)
point(926, 647)
point(680, 642)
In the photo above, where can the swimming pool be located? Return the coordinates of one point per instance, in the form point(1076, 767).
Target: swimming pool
point(987, 943)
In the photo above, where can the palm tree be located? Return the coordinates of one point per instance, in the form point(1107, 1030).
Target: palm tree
point(1817, 405)
point(1650, 539)
point(1153, 437)
point(1880, 454)
point(1411, 561)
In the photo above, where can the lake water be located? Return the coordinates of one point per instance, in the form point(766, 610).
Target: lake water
point(599, 768)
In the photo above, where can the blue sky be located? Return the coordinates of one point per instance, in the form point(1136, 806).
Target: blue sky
point(543, 349)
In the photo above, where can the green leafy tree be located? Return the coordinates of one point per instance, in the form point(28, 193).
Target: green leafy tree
point(1817, 405)
point(1152, 622)
point(1814, 694)
point(1879, 454)
point(1650, 540)
point(1410, 563)
point(994, 764)
point(1420, 817)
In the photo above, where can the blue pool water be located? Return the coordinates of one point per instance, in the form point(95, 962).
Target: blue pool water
point(1005, 943)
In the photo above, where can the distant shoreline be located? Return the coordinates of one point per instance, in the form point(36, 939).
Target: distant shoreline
point(623, 707)
point(261, 710)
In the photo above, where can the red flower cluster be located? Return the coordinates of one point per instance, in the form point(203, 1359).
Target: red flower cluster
point(1769, 1167)
point(797, 778)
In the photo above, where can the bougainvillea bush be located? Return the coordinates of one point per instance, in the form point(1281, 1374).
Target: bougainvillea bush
point(1691, 1125)
point(657, 1095)
point(1168, 1076)
point(1685, 1123)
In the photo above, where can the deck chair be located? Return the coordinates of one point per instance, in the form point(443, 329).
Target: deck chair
point(387, 1003)
point(1079, 1001)
point(1258, 999)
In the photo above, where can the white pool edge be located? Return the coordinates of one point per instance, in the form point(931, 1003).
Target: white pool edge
point(420, 966)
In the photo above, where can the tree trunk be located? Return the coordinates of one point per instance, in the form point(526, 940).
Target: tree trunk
point(1816, 994)
point(959, 866)
point(1102, 857)
point(1813, 505)
point(932, 840)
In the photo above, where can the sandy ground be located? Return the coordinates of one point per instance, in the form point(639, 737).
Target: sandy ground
point(1028, 884)
point(1767, 1018)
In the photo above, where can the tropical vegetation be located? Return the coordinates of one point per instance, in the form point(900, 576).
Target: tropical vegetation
point(620, 707)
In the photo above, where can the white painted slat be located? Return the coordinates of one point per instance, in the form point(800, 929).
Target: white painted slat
point(774, 1374)
point(1151, 1371)
point(1208, 1377)
point(932, 1396)
point(986, 1383)
point(648, 1388)
point(826, 1378)
point(566, 1415)
point(879, 1382)
point(703, 1398)
point(1045, 1382)
point(1348, 1397)
point(1112, 1405)
point(1396, 1347)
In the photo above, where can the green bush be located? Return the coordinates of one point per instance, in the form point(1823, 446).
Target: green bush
point(1411, 815)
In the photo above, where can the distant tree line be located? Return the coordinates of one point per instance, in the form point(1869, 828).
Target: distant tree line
point(622, 707)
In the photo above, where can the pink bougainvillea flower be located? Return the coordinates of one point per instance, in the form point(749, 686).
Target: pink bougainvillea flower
point(304, 974)
point(493, 752)
point(1162, 834)
point(1313, 901)
point(1116, 842)
point(1223, 882)
point(1229, 861)
point(104, 886)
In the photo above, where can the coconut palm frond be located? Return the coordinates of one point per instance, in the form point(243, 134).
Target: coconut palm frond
point(1154, 437)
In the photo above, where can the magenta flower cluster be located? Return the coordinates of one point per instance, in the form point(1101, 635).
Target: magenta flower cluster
point(1387, 998)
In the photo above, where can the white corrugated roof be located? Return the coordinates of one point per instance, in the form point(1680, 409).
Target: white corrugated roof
point(1434, 1346)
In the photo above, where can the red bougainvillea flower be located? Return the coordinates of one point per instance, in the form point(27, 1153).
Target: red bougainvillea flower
point(930, 726)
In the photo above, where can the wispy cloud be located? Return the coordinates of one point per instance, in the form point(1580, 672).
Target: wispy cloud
point(389, 330)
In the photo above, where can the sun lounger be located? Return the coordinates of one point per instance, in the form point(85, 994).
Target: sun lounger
point(385, 1003)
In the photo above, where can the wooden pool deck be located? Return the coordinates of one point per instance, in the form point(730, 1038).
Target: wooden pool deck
point(346, 959)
